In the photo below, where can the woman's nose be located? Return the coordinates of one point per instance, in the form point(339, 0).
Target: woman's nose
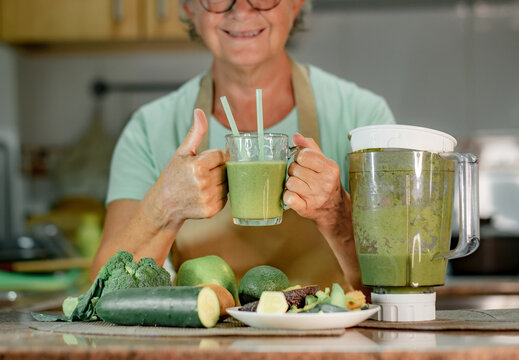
point(242, 6)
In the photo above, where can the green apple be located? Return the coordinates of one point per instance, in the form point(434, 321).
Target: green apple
point(209, 269)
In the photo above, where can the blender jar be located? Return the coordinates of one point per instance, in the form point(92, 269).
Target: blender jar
point(402, 186)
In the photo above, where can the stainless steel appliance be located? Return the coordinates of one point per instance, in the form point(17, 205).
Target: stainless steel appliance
point(16, 242)
point(498, 151)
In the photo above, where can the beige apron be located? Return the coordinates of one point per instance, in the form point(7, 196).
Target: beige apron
point(295, 246)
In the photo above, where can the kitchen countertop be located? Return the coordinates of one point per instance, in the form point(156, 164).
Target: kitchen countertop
point(18, 341)
point(478, 292)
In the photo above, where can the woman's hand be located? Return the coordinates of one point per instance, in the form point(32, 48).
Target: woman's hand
point(192, 186)
point(314, 188)
point(314, 191)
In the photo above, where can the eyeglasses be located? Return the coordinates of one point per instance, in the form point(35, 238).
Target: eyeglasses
point(221, 6)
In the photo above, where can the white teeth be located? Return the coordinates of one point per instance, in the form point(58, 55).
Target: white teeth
point(244, 34)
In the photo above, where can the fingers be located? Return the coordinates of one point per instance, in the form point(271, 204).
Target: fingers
point(311, 155)
point(312, 159)
point(195, 135)
point(216, 176)
point(294, 201)
point(300, 140)
point(297, 185)
point(216, 202)
point(212, 158)
point(305, 174)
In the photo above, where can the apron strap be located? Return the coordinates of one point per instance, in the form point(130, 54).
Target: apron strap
point(303, 98)
point(305, 104)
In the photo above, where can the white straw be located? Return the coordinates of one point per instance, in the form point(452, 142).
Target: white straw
point(230, 118)
point(259, 111)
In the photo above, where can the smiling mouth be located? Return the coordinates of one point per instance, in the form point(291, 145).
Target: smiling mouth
point(243, 34)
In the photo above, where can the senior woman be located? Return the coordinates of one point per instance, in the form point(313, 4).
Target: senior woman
point(168, 188)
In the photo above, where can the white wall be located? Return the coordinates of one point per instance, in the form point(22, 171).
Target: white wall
point(449, 68)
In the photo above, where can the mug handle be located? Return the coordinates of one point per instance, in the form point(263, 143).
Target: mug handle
point(292, 151)
point(468, 185)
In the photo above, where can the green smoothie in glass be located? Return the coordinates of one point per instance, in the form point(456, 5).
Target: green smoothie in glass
point(255, 189)
point(256, 178)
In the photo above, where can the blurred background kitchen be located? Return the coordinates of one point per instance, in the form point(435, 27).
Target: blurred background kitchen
point(73, 71)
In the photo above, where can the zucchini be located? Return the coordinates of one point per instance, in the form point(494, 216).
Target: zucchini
point(181, 306)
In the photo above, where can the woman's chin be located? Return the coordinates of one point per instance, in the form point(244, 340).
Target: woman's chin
point(248, 58)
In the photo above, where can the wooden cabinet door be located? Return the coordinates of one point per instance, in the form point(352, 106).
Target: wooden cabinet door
point(26, 21)
point(162, 20)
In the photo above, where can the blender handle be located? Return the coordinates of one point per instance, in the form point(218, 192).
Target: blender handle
point(468, 193)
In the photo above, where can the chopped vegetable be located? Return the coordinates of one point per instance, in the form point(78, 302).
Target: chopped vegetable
point(69, 304)
point(323, 297)
point(294, 295)
point(272, 302)
point(355, 300)
point(337, 296)
point(327, 308)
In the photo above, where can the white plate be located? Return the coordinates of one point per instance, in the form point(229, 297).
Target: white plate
point(303, 321)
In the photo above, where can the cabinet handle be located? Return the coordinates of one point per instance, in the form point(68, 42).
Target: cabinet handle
point(161, 7)
point(118, 10)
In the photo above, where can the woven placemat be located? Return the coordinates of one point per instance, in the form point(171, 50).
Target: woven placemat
point(229, 327)
point(496, 320)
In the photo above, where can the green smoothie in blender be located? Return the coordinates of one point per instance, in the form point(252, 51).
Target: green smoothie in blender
point(401, 187)
point(402, 209)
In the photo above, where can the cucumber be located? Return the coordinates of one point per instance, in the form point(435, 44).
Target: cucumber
point(180, 306)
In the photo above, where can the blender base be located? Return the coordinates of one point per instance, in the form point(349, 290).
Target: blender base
point(404, 307)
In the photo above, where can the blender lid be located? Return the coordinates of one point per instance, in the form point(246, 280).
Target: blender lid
point(400, 137)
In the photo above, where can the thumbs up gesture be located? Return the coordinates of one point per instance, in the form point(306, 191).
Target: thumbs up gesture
point(193, 186)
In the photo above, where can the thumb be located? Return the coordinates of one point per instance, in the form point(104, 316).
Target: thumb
point(195, 135)
point(300, 140)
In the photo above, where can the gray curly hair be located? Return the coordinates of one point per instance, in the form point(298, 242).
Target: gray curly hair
point(297, 26)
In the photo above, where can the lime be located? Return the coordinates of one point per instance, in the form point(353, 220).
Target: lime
point(272, 302)
point(209, 269)
point(259, 279)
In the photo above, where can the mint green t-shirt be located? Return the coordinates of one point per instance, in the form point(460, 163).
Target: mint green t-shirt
point(152, 135)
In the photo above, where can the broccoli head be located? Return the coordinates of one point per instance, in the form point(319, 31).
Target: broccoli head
point(121, 272)
point(120, 279)
point(149, 274)
point(120, 260)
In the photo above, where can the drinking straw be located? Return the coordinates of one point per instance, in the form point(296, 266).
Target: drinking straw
point(259, 111)
point(230, 118)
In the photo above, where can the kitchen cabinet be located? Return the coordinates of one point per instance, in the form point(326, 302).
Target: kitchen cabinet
point(162, 20)
point(77, 21)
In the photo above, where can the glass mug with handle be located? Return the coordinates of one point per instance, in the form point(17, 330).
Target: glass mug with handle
point(256, 177)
